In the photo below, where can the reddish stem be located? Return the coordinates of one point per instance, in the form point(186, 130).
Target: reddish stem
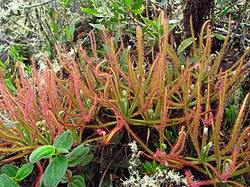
point(40, 174)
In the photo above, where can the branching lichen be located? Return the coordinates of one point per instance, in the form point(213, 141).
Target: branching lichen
point(160, 177)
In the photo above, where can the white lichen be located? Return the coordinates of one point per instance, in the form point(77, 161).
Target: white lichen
point(162, 177)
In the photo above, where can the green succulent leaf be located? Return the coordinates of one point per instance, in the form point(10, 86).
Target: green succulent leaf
point(5, 180)
point(9, 170)
point(55, 171)
point(45, 151)
point(24, 171)
point(77, 155)
point(64, 140)
point(77, 181)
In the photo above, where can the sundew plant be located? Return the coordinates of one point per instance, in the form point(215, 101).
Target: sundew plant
point(171, 105)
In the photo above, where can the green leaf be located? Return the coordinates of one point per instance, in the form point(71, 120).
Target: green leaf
point(45, 151)
point(10, 86)
point(138, 11)
point(171, 27)
point(24, 171)
point(184, 44)
point(67, 32)
point(72, 28)
point(97, 26)
point(128, 3)
point(64, 140)
point(91, 11)
point(194, 60)
point(205, 150)
point(117, 9)
point(66, 177)
point(62, 151)
point(55, 27)
point(147, 166)
point(9, 170)
point(67, 3)
point(219, 36)
point(55, 171)
point(182, 58)
point(170, 136)
point(77, 181)
point(137, 5)
point(225, 10)
point(7, 181)
point(151, 23)
point(231, 114)
point(77, 155)
point(87, 159)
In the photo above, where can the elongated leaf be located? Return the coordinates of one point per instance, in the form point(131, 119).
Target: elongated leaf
point(24, 171)
point(137, 5)
point(117, 9)
point(184, 44)
point(205, 150)
point(97, 26)
point(128, 3)
point(138, 11)
point(6, 181)
point(64, 140)
point(77, 155)
point(55, 171)
point(10, 86)
point(91, 11)
point(87, 159)
point(225, 10)
point(151, 23)
point(45, 151)
point(219, 36)
point(67, 3)
point(9, 170)
point(72, 28)
point(67, 32)
point(77, 181)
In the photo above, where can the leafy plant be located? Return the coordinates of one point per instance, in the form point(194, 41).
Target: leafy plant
point(11, 175)
point(124, 16)
point(60, 160)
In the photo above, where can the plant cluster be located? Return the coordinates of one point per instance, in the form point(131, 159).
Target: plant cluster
point(56, 171)
point(170, 100)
